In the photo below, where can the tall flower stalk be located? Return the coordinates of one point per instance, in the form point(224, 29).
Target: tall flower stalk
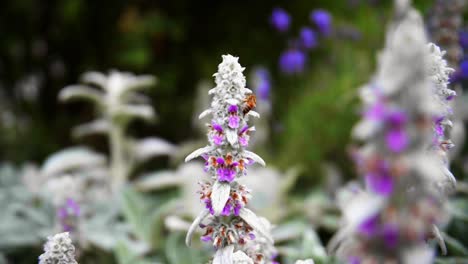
point(118, 102)
point(404, 199)
point(236, 232)
point(58, 249)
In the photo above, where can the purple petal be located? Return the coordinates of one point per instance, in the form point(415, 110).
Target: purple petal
point(376, 112)
point(397, 140)
point(217, 127)
point(244, 129)
point(232, 109)
point(390, 235)
point(227, 209)
point(381, 184)
point(233, 121)
point(397, 119)
point(243, 141)
point(217, 139)
point(220, 160)
point(205, 238)
point(369, 226)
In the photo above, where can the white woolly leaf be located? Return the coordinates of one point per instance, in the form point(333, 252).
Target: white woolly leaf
point(99, 126)
point(219, 196)
point(231, 136)
point(254, 114)
point(144, 112)
point(70, 159)
point(198, 152)
point(307, 261)
point(252, 219)
point(212, 91)
point(152, 147)
point(240, 257)
point(254, 157)
point(96, 78)
point(246, 90)
point(224, 255)
point(158, 180)
point(81, 92)
point(204, 113)
point(194, 225)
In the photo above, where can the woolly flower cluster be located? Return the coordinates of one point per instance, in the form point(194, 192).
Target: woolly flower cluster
point(235, 231)
point(58, 250)
point(402, 205)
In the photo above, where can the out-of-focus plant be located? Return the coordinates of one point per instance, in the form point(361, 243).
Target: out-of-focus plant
point(402, 155)
point(235, 231)
point(118, 103)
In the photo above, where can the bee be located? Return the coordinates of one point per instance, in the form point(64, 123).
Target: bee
point(250, 103)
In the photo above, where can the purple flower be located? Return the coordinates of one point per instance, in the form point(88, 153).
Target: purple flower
point(264, 83)
point(232, 109)
point(227, 209)
point(390, 235)
point(226, 174)
point(308, 38)
point(209, 206)
point(397, 119)
point(217, 127)
point(381, 184)
point(206, 238)
point(280, 19)
point(251, 236)
point(237, 209)
point(244, 141)
point(397, 140)
point(233, 121)
point(292, 61)
point(463, 38)
point(464, 69)
point(217, 139)
point(376, 112)
point(67, 213)
point(369, 226)
point(323, 20)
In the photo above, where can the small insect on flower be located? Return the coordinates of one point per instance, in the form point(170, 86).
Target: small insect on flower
point(249, 103)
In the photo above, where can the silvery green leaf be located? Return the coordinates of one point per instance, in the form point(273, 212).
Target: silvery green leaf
point(418, 254)
point(144, 112)
point(81, 92)
point(231, 136)
point(99, 126)
point(440, 240)
point(198, 152)
point(70, 159)
point(178, 253)
point(224, 255)
point(219, 196)
point(95, 78)
point(254, 157)
point(253, 114)
point(204, 113)
point(239, 257)
point(193, 227)
point(152, 147)
point(139, 82)
point(175, 223)
point(157, 180)
point(253, 220)
point(307, 261)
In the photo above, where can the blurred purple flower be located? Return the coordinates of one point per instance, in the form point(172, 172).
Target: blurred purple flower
point(390, 235)
point(381, 184)
point(369, 226)
point(464, 69)
point(280, 19)
point(308, 38)
point(323, 20)
point(292, 61)
point(397, 140)
point(463, 39)
point(263, 82)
